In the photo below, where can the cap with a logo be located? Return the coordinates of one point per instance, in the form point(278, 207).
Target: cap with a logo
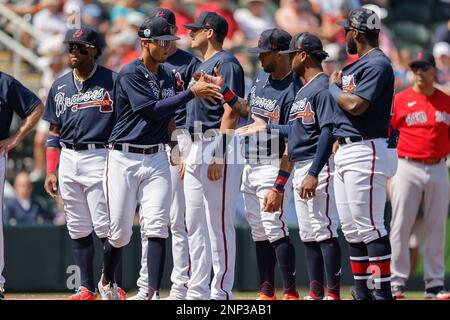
point(272, 40)
point(363, 20)
point(305, 41)
point(83, 34)
point(210, 20)
point(163, 13)
point(423, 57)
point(156, 28)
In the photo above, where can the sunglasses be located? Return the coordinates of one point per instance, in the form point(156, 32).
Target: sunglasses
point(161, 43)
point(422, 67)
point(81, 47)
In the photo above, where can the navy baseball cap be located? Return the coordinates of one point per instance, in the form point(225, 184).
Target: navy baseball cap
point(84, 35)
point(156, 28)
point(363, 20)
point(423, 57)
point(272, 40)
point(305, 41)
point(209, 20)
point(163, 13)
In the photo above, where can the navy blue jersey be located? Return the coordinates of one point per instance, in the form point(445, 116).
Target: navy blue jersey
point(371, 78)
point(270, 100)
point(137, 88)
point(14, 97)
point(183, 65)
point(84, 116)
point(210, 114)
point(312, 109)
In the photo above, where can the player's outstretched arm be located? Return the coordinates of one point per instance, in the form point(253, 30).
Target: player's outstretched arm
point(29, 123)
point(274, 198)
point(353, 104)
point(52, 160)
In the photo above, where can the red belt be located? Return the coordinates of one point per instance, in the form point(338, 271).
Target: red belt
point(425, 161)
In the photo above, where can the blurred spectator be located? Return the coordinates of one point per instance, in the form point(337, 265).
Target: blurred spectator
point(336, 58)
point(442, 33)
point(123, 8)
point(253, 18)
point(125, 44)
point(441, 52)
point(295, 16)
point(331, 12)
point(402, 72)
point(24, 209)
point(182, 16)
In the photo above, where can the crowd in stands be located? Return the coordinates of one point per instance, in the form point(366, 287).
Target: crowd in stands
point(118, 21)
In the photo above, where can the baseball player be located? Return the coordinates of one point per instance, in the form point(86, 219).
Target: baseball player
point(270, 98)
point(310, 140)
point(80, 109)
point(14, 98)
point(137, 167)
point(363, 162)
point(211, 184)
point(182, 64)
point(422, 115)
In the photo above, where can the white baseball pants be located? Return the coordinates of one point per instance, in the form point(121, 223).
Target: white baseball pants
point(132, 178)
point(257, 181)
point(361, 172)
point(210, 216)
point(412, 183)
point(80, 176)
point(317, 217)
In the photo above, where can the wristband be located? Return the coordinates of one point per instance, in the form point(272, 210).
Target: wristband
point(52, 159)
point(281, 181)
point(228, 95)
point(53, 141)
point(335, 91)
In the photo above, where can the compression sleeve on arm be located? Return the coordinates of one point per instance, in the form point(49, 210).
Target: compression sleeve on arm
point(283, 129)
point(165, 107)
point(323, 151)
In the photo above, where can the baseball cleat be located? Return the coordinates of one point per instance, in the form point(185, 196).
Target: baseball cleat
point(108, 291)
point(437, 293)
point(398, 291)
point(2, 296)
point(122, 294)
point(83, 294)
point(156, 296)
point(331, 298)
point(291, 296)
point(263, 296)
point(139, 296)
point(308, 298)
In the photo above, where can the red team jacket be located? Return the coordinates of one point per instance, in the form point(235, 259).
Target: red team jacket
point(423, 123)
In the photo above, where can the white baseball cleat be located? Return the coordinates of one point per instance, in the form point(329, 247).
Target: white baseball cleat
point(308, 298)
point(156, 296)
point(108, 292)
point(2, 296)
point(139, 296)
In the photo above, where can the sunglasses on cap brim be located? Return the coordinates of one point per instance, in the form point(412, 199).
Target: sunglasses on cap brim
point(161, 43)
point(82, 47)
point(421, 67)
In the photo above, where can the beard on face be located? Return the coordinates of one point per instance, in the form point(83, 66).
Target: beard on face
point(351, 46)
point(269, 68)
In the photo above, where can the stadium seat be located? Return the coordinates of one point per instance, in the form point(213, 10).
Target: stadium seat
point(418, 12)
point(411, 32)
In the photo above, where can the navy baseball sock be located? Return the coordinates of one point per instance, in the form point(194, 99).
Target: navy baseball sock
point(359, 260)
point(314, 266)
point(380, 264)
point(156, 255)
point(331, 253)
point(285, 253)
point(118, 272)
point(266, 259)
point(83, 252)
point(111, 258)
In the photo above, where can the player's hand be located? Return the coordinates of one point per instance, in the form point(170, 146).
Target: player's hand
point(8, 144)
point(181, 170)
point(335, 147)
point(51, 185)
point(203, 89)
point(217, 79)
point(258, 125)
point(272, 201)
point(336, 77)
point(215, 171)
point(308, 187)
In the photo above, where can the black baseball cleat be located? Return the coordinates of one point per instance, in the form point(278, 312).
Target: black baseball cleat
point(398, 291)
point(368, 296)
point(438, 293)
point(2, 296)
